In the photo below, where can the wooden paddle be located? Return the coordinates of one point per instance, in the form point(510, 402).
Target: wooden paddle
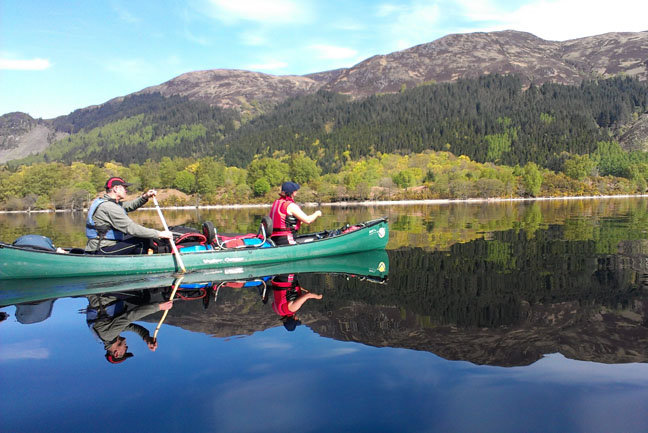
point(173, 245)
point(176, 284)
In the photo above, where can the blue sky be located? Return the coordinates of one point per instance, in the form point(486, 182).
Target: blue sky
point(57, 56)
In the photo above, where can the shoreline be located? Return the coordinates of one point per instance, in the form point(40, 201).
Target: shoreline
point(365, 203)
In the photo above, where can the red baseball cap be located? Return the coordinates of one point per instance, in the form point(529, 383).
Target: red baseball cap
point(114, 360)
point(114, 181)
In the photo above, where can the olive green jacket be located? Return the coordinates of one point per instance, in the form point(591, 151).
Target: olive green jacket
point(109, 328)
point(112, 214)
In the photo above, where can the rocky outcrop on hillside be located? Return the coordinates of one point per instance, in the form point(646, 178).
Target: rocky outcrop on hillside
point(21, 135)
point(13, 126)
point(636, 136)
point(236, 88)
point(609, 54)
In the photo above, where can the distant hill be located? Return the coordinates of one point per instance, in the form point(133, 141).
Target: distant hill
point(447, 59)
point(508, 52)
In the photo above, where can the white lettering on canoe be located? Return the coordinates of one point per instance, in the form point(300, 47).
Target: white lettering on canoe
point(229, 271)
point(216, 271)
point(212, 261)
point(225, 260)
point(234, 259)
point(380, 231)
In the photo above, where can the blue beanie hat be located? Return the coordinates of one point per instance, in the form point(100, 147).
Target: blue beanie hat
point(289, 187)
point(291, 323)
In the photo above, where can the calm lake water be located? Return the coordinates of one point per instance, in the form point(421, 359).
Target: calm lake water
point(494, 317)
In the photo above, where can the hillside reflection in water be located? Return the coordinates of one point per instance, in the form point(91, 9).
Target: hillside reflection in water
point(557, 295)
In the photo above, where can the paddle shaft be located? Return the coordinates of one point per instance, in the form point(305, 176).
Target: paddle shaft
point(175, 289)
point(173, 245)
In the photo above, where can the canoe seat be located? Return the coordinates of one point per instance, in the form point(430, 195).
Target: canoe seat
point(250, 240)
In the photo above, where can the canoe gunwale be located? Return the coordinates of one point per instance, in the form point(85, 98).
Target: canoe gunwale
point(364, 225)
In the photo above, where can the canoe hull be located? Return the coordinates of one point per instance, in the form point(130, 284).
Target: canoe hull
point(373, 265)
point(23, 263)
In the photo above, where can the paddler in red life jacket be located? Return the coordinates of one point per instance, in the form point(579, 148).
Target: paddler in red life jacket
point(109, 229)
point(288, 298)
point(287, 216)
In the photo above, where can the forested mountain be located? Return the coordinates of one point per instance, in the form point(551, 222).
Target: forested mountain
point(489, 119)
point(141, 127)
point(453, 58)
point(172, 110)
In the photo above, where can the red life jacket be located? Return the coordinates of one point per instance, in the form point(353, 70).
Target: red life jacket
point(278, 213)
point(280, 302)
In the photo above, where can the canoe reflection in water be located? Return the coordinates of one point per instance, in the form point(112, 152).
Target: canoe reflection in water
point(115, 303)
point(109, 315)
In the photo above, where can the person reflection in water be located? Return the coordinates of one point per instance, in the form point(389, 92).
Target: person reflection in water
point(109, 315)
point(289, 297)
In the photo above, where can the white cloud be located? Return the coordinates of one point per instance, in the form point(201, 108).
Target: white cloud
point(424, 21)
point(333, 52)
point(25, 65)
point(413, 24)
point(273, 65)
point(386, 9)
point(350, 25)
point(129, 68)
point(339, 351)
point(252, 39)
point(196, 39)
point(562, 19)
point(174, 60)
point(568, 19)
point(262, 11)
point(556, 368)
point(230, 399)
point(271, 345)
point(124, 14)
point(23, 350)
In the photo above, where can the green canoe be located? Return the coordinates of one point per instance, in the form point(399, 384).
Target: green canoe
point(373, 265)
point(16, 262)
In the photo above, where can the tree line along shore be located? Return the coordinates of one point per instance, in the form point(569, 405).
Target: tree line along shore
point(385, 177)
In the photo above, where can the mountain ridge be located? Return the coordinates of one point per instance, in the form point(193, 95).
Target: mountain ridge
point(446, 59)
